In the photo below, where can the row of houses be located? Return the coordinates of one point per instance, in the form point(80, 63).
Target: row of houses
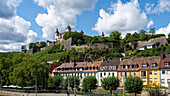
point(149, 69)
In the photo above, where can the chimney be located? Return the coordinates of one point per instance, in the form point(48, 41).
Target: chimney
point(121, 59)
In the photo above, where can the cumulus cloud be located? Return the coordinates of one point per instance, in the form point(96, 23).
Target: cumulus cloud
point(59, 14)
point(163, 5)
point(14, 33)
point(125, 18)
point(164, 30)
point(14, 30)
point(150, 24)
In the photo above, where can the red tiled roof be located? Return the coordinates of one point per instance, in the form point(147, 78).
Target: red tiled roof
point(111, 63)
point(94, 64)
point(166, 59)
point(71, 65)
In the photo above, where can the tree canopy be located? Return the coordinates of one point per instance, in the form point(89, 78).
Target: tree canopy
point(89, 83)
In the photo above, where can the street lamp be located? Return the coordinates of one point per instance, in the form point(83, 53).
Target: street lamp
point(36, 85)
point(75, 79)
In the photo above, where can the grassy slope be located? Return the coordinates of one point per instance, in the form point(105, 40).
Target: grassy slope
point(49, 57)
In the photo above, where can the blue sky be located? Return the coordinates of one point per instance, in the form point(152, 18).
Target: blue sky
point(25, 21)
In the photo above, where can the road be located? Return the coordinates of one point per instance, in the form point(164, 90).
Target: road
point(8, 93)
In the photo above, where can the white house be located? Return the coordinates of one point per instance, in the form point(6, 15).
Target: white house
point(165, 71)
point(107, 68)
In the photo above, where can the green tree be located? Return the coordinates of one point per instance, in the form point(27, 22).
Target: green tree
point(71, 81)
point(157, 44)
point(167, 51)
point(152, 31)
point(133, 85)
point(89, 83)
point(79, 42)
point(115, 36)
point(31, 45)
point(23, 47)
point(43, 44)
point(169, 37)
point(110, 83)
point(54, 82)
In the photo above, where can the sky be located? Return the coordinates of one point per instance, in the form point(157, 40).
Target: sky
point(25, 21)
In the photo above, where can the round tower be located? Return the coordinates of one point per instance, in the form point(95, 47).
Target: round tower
point(57, 33)
point(68, 29)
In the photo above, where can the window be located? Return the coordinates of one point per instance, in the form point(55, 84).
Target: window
point(134, 73)
point(155, 79)
point(121, 66)
point(121, 74)
point(154, 65)
point(143, 73)
point(100, 74)
point(101, 68)
point(130, 66)
point(104, 74)
point(88, 68)
point(150, 72)
point(144, 65)
point(144, 80)
point(126, 66)
point(105, 67)
point(110, 67)
point(168, 80)
point(155, 72)
point(114, 67)
point(136, 66)
point(162, 80)
point(166, 63)
point(120, 80)
point(112, 74)
point(150, 79)
point(91, 68)
point(129, 73)
point(163, 71)
point(125, 74)
point(109, 74)
point(80, 69)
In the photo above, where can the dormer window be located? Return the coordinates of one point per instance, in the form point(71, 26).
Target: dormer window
point(121, 66)
point(144, 65)
point(166, 63)
point(136, 66)
point(130, 66)
point(154, 65)
point(126, 66)
point(110, 67)
point(105, 67)
point(114, 67)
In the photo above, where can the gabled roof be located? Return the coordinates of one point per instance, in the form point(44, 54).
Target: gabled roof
point(110, 63)
point(166, 59)
point(71, 65)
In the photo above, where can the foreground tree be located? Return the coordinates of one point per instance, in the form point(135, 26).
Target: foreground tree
point(155, 90)
point(133, 85)
point(110, 83)
point(54, 82)
point(89, 83)
point(71, 81)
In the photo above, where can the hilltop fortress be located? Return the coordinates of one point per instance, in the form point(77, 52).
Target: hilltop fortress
point(68, 43)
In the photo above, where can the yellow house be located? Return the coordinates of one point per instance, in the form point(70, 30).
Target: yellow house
point(149, 71)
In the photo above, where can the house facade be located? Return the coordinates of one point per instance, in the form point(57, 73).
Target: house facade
point(165, 71)
point(108, 68)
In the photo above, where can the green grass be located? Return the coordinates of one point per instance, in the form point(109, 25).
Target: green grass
point(49, 57)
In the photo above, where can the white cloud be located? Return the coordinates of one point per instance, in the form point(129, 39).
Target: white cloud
point(60, 13)
point(14, 30)
point(125, 18)
point(165, 30)
point(150, 24)
point(163, 5)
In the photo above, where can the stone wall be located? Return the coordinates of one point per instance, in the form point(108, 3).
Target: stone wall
point(106, 45)
point(80, 48)
point(32, 51)
point(161, 39)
